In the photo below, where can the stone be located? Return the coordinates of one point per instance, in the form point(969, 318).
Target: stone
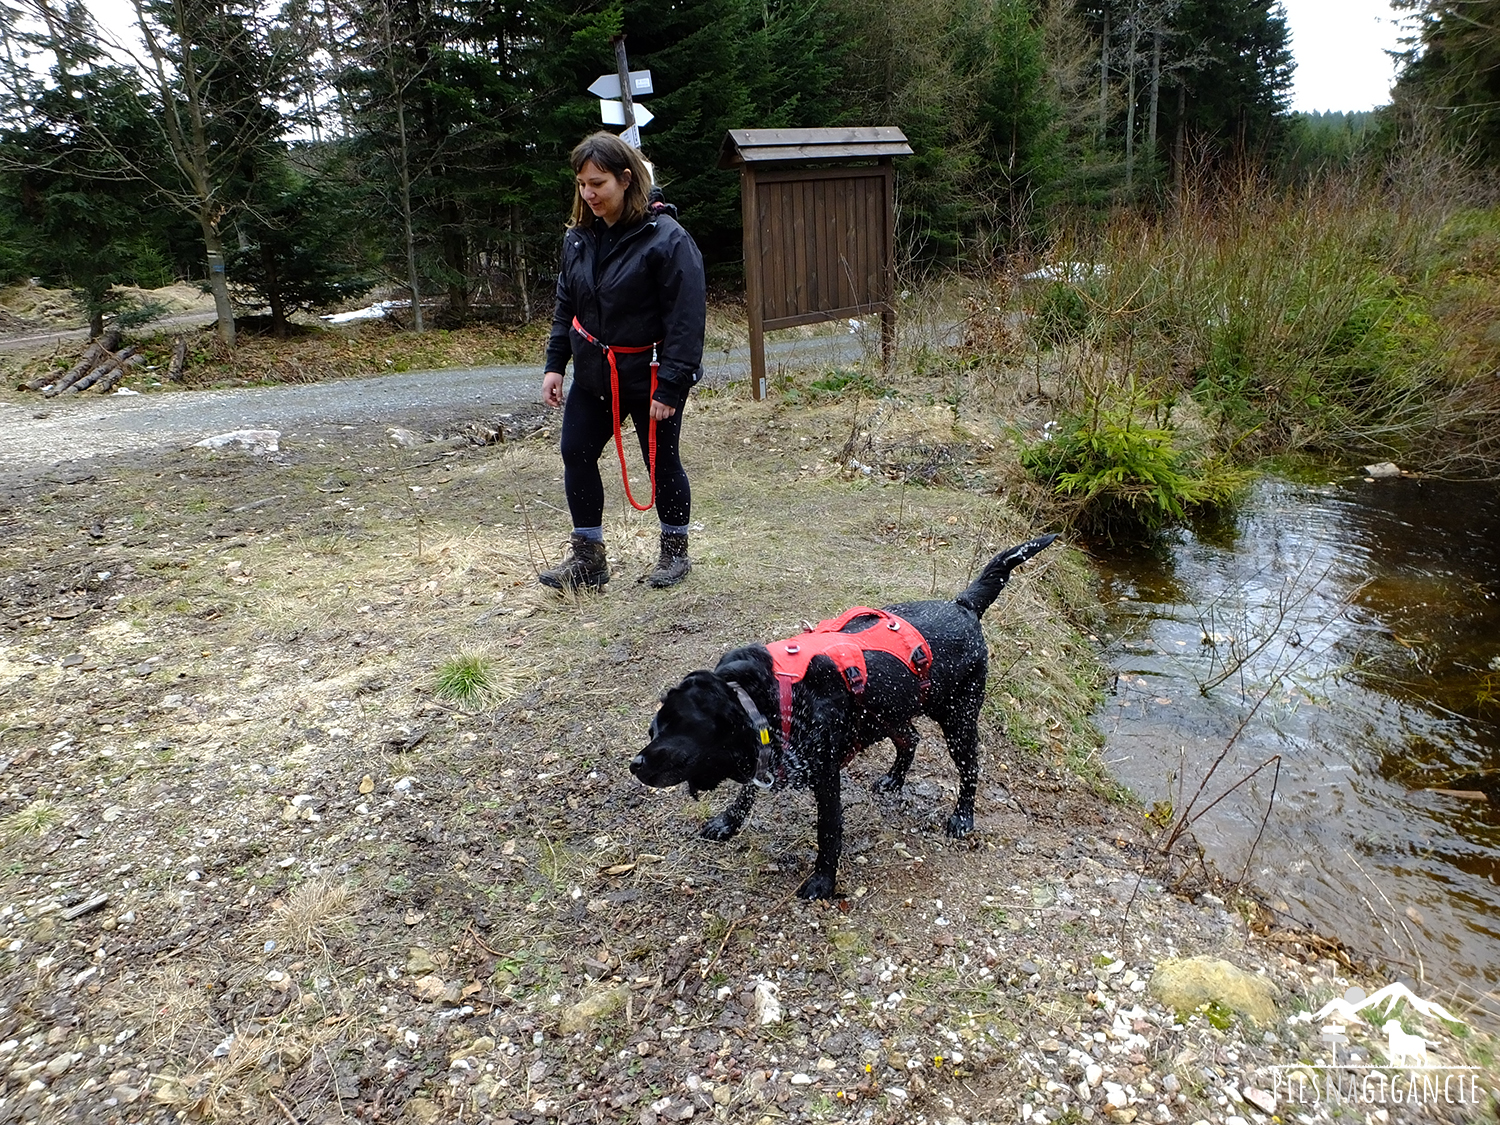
point(248, 441)
point(1094, 1073)
point(1262, 1100)
point(1185, 984)
point(1050, 1046)
point(423, 1111)
point(767, 1004)
point(403, 438)
point(591, 1009)
point(1382, 470)
point(419, 962)
point(431, 987)
point(1171, 1083)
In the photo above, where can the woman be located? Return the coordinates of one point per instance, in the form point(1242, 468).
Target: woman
point(631, 287)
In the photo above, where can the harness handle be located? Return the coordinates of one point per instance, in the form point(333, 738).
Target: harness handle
point(609, 351)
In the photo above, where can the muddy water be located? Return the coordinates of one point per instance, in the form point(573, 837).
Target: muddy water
point(1349, 631)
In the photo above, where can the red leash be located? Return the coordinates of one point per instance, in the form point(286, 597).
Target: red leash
point(609, 351)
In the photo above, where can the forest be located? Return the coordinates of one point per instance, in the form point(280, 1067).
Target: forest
point(293, 156)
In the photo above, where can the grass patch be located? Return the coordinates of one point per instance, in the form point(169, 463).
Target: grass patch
point(312, 914)
point(35, 819)
point(465, 679)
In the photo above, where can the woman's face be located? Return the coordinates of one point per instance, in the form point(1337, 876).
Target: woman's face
point(604, 192)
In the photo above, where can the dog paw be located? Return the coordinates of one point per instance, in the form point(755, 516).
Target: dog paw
point(960, 825)
point(721, 827)
point(888, 784)
point(817, 886)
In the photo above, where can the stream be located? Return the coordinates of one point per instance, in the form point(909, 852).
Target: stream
point(1341, 638)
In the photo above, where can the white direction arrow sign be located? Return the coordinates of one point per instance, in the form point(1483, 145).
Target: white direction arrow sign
point(613, 113)
point(608, 85)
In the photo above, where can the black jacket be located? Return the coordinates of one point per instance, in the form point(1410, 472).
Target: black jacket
point(650, 290)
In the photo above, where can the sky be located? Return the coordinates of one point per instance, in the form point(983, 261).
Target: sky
point(1339, 46)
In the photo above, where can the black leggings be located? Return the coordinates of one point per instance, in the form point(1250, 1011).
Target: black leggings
point(588, 427)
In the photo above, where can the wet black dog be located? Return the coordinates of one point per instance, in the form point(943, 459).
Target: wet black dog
point(711, 728)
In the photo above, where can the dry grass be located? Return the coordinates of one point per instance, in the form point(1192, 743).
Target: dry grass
point(34, 819)
point(312, 914)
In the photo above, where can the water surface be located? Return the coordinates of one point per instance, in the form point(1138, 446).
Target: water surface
point(1351, 628)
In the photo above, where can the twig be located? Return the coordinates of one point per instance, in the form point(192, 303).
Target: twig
point(290, 1116)
point(735, 925)
point(479, 941)
point(1255, 843)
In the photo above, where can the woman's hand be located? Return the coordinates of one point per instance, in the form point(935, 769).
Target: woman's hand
point(552, 388)
point(661, 411)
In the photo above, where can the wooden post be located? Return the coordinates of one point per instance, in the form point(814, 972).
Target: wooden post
point(888, 315)
point(631, 135)
point(754, 282)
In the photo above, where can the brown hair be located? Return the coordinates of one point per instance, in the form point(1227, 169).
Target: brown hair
point(610, 154)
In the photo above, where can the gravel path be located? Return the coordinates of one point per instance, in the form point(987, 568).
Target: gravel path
point(38, 433)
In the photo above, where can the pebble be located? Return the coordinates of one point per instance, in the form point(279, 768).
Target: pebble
point(1094, 1074)
point(1262, 1100)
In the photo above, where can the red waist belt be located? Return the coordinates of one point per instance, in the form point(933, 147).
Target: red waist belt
point(889, 634)
point(610, 351)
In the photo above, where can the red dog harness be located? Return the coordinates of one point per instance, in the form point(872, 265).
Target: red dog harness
point(610, 351)
point(790, 658)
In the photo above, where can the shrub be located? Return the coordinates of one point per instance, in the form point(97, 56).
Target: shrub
point(1124, 476)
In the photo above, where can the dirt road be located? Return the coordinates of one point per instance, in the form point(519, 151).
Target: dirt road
point(38, 433)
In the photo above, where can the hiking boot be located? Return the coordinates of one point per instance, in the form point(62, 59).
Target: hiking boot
point(673, 564)
point(585, 568)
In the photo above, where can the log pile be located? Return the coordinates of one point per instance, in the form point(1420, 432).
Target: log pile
point(101, 366)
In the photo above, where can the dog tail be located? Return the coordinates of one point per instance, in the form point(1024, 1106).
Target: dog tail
point(983, 591)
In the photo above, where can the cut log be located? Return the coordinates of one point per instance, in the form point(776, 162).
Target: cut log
point(179, 360)
point(106, 384)
point(109, 364)
point(92, 355)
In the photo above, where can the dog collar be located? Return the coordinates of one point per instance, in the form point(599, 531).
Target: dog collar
point(764, 775)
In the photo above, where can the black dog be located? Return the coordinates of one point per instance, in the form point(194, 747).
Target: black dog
point(711, 727)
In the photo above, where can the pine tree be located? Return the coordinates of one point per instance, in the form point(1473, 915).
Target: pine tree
point(298, 246)
point(1452, 67)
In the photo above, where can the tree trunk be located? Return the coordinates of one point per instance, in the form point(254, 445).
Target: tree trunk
point(456, 258)
point(1104, 82)
point(408, 233)
point(1156, 36)
point(1130, 63)
point(1179, 143)
point(218, 280)
point(273, 293)
point(96, 324)
point(518, 260)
